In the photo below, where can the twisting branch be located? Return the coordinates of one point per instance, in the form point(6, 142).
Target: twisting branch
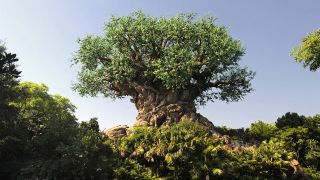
point(104, 59)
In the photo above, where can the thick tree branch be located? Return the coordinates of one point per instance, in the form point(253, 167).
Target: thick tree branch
point(104, 59)
point(198, 88)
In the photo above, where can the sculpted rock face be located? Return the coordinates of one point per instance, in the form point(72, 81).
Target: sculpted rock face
point(117, 131)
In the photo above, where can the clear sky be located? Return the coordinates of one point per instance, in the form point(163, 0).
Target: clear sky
point(44, 35)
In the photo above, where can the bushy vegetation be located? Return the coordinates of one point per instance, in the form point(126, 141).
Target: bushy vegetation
point(188, 151)
point(40, 137)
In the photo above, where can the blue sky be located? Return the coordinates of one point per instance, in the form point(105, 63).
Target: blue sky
point(44, 35)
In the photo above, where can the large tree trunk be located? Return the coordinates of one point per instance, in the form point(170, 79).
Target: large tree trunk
point(157, 108)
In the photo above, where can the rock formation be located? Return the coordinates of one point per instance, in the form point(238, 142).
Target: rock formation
point(117, 131)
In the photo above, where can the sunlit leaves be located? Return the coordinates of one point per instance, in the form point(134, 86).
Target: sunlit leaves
point(309, 51)
point(169, 53)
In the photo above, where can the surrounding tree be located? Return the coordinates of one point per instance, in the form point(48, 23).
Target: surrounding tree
point(13, 131)
point(290, 120)
point(261, 131)
point(38, 107)
point(8, 82)
point(2, 47)
point(299, 137)
point(303, 141)
point(270, 160)
point(240, 134)
point(309, 51)
point(8, 75)
point(166, 65)
point(67, 150)
point(52, 144)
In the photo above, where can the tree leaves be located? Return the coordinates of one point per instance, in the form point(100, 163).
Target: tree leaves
point(172, 54)
point(309, 51)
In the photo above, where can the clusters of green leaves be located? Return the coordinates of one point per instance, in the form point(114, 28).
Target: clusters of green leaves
point(300, 136)
point(13, 131)
point(269, 160)
point(304, 141)
point(40, 137)
point(69, 151)
point(261, 131)
point(183, 151)
point(38, 107)
point(187, 151)
point(55, 145)
point(2, 46)
point(290, 120)
point(165, 53)
point(309, 51)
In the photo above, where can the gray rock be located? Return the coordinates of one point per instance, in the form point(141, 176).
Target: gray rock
point(117, 131)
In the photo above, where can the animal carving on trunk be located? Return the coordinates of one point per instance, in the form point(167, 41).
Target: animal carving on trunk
point(156, 109)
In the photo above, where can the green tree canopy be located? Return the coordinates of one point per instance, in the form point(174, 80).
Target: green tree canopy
point(2, 47)
point(179, 60)
point(309, 51)
point(58, 147)
point(290, 120)
point(13, 131)
point(9, 75)
point(38, 107)
point(262, 131)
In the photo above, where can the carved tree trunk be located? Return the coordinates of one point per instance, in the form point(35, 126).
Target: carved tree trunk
point(157, 108)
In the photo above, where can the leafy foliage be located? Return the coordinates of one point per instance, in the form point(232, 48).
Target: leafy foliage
point(2, 47)
point(58, 146)
point(40, 137)
point(181, 151)
point(13, 131)
point(169, 54)
point(8, 76)
point(261, 131)
point(39, 108)
point(268, 161)
point(309, 51)
point(290, 120)
point(69, 151)
point(187, 151)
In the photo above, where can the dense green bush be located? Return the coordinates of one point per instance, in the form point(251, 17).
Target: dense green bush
point(40, 137)
point(187, 151)
point(70, 151)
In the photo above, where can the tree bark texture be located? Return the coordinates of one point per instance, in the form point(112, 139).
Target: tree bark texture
point(157, 108)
